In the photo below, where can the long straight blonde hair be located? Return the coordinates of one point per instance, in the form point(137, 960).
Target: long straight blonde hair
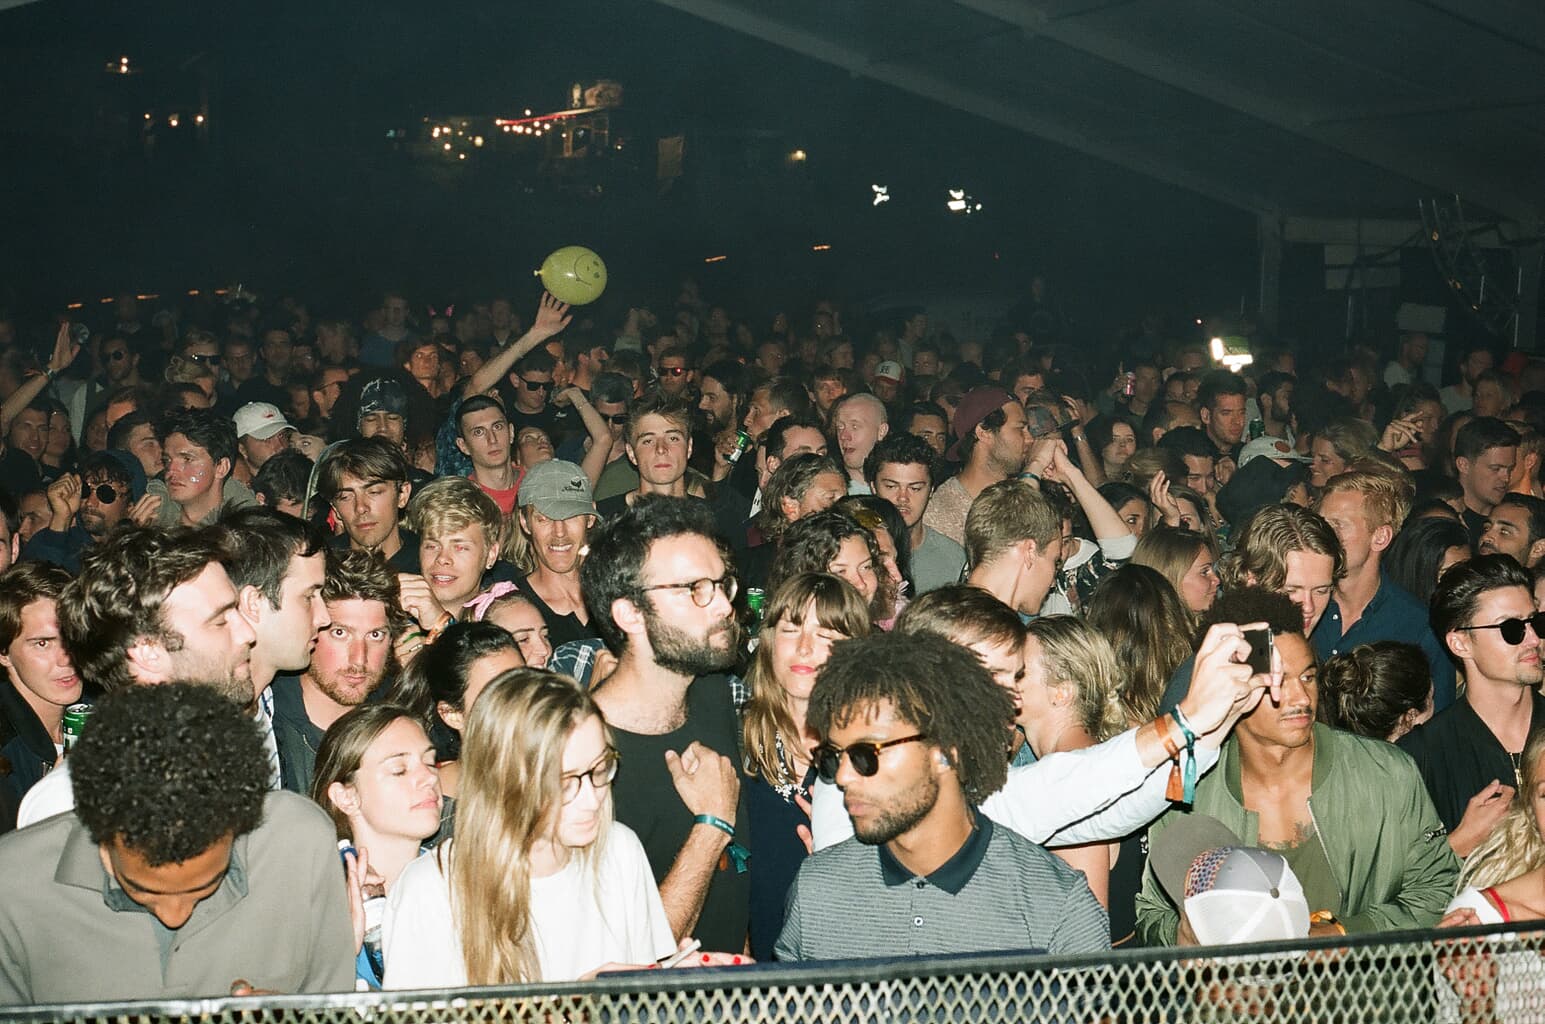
point(510, 799)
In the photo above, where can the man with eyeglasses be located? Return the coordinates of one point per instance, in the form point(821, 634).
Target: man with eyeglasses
point(121, 364)
point(675, 375)
point(913, 731)
point(660, 586)
point(1470, 754)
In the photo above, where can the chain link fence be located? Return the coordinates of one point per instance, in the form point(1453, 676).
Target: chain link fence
point(1489, 974)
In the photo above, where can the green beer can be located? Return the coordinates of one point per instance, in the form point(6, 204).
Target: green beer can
point(74, 721)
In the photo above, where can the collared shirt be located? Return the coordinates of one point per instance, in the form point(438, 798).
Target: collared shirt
point(1393, 614)
point(998, 892)
point(1458, 756)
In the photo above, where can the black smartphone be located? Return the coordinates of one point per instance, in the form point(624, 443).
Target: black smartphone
point(1259, 658)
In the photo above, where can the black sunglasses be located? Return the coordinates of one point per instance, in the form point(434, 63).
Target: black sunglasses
point(864, 757)
point(673, 371)
point(536, 385)
point(1512, 630)
point(212, 358)
point(106, 493)
point(118, 354)
point(620, 419)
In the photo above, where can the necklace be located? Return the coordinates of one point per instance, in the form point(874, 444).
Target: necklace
point(1518, 772)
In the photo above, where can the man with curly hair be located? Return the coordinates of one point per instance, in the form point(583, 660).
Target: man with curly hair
point(913, 732)
point(179, 875)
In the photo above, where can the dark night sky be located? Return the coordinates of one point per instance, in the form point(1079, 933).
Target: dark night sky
point(299, 191)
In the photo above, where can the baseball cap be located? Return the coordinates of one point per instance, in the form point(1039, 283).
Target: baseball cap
point(1272, 447)
point(1230, 892)
point(383, 395)
point(890, 370)
point(260, 420)
point(1263, 482)
point(975, 406)
point(558, 489)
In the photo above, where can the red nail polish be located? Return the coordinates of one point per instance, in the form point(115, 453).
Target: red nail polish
point(706, 958)
point(735, 960)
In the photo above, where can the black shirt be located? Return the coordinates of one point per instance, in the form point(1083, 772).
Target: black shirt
point(406, 558)
point(1475, 523)
point(1458, 756)
point(561, 629)
point(646, 801)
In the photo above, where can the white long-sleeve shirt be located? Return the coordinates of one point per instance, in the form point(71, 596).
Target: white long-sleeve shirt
point(1098, 794)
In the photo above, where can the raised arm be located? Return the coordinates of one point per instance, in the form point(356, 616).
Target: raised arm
point(600, 435)
point(65, 350)
point(552, 316)
point(1103, 520)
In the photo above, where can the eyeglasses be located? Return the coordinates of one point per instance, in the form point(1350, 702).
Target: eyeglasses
point(600, 776)
point(118, 355)
point(212, 358)
point(106, 493)
point(536, 385)
point(703, 590)
point(864, 757)
point(620, 419)
point(672, 371)
point(1512, 630)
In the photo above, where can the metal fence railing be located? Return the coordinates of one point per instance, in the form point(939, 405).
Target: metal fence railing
point(1470, 976)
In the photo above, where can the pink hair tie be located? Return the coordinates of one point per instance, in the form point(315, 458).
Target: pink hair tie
point(481, 602)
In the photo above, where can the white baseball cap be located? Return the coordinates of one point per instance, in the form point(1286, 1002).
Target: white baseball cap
point(260, 420)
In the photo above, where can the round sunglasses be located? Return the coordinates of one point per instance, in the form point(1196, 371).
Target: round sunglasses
point(1512, 630)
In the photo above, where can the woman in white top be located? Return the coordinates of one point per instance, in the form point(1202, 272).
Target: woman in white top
point(539, 883)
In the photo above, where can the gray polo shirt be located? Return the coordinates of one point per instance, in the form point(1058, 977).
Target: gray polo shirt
point(999, 892)
point(936, 562)
point(279, 920)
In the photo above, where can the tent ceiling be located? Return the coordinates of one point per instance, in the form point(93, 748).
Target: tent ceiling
point(1316, 107)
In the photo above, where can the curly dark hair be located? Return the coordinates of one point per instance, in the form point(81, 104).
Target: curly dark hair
point(116, 599)
point(937, 686)
point(791, 480)
point(811, 544)
point(1240, 605)
point(169, 771)
point(214, 433)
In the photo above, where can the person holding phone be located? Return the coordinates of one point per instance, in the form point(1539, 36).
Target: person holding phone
point(1349, 813)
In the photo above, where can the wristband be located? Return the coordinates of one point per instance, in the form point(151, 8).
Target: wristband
point(1027, 475)
point(1182, 776)
point(737, 854)
point(445, 623)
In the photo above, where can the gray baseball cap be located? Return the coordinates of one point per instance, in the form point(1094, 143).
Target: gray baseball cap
point(558, 489)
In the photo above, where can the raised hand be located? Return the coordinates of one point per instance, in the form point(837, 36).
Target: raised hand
point(552, 316)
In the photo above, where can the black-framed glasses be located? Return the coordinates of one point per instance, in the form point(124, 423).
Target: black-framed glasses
point(106, 493)
point(703, 590)
point(536, 385)
point(620, 419)
point(1512, 630)
point(672, 371)
point(211, 358)
point(864, 757)
point(600, 775)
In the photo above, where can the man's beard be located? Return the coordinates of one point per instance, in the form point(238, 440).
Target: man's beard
point(899, 820)
point(343, 692)
point(676, 650)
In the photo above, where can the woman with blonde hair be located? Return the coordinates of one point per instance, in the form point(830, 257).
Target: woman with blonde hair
point(1187, 559)
point(804, 617)
point(539, 883)
point(1071, 699)
point(1503, 879)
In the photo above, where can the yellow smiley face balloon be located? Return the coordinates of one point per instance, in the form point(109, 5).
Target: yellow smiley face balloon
point(574, 275)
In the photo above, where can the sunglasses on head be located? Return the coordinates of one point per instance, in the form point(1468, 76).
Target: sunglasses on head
point(1512, 630)
point(864, 757)
point(536, 385)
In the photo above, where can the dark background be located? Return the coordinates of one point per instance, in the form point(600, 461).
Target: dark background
point(293, 184)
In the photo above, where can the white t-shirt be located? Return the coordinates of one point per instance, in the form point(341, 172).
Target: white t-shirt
point(579, 922)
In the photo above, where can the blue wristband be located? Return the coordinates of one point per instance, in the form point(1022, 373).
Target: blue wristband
point(718, 823)
point(738, 855)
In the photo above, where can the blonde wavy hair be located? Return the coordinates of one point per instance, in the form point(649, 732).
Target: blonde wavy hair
point(510, 800)
point(1073, 652)
point(1515, 846)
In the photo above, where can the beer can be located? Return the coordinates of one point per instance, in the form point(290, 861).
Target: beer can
point(756, 599)
point(742, 445)
point(74, 721)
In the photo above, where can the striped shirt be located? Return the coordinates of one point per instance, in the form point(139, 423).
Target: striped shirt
point(999, 892)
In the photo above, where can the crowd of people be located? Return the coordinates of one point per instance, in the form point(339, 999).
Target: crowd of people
point(430, 652)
